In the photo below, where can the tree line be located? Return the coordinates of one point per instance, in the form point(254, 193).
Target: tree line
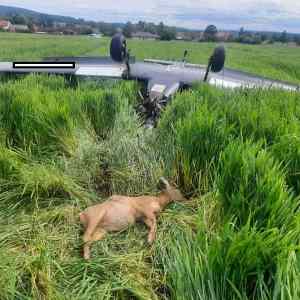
point(249, 37)
point(81, 26)
point(267, 37)
point(162, 31)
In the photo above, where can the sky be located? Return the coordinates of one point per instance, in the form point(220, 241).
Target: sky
point(267, 15)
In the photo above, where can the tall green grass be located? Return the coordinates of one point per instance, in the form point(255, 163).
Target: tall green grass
point(252, 187)
point(236, 141)
point(250, 251)
point(233, 153)
point(233, 264)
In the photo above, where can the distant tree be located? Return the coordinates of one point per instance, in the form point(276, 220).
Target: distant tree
point(85, 30)
point(128, 29)
point(150, 27)
point(140, 26)
point(242, 36)
point(107, 29)
point(264, 37)
point(160, 28)
point(31, 27)
point(249, 38)
point(210, 33)
point(275, 37)
point(19, 19)
point(241, 32)
point(257, 39)
point(47, 22)
point(283, 37)
point(297, 39)
point(168, 34)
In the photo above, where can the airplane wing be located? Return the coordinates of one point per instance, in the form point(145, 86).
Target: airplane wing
point(79, 66)
point(229, 78)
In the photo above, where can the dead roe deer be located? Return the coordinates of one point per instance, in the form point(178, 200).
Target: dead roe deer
point(118, 212)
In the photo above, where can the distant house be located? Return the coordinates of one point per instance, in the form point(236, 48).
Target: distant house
point(180, 36)
point(185, 36)
point(6, 25)
point(144, 35)
point(21, 28)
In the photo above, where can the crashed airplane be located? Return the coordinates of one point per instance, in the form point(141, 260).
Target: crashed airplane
point(161, 79)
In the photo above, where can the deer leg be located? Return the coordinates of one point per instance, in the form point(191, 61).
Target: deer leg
point(97, 235)
point(92, 233)
point(150, 221)
point(88, 239)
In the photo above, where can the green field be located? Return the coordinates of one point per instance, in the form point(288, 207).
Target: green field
point(235, 155)
point(274, 61)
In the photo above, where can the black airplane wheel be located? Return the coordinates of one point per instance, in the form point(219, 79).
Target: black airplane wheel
point(217, 60)
point(118, 47)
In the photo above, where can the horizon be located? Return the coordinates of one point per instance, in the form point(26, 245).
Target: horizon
point(264, 15)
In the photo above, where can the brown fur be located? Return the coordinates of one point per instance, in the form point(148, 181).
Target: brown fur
point(118, 212)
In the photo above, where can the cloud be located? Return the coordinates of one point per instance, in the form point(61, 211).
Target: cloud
point(227, 14)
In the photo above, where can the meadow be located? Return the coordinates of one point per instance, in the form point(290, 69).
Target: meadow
point(275, 61)
point(235, 155)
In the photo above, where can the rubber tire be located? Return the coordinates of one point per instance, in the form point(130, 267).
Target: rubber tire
point(118, 47)
point(217, 60)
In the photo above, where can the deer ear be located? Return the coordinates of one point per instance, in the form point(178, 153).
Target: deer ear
point(163, 183)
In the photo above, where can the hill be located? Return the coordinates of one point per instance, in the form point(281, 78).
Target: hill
point(31, 16)
point(10, 11)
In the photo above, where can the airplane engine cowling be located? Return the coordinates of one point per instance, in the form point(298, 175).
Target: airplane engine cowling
point(118, 47)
